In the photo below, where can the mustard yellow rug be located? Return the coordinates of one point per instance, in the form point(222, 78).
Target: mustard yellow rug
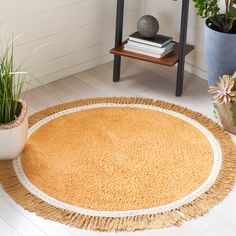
point(121, 164)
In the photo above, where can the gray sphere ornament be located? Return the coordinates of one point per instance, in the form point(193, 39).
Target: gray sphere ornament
point(148, 26)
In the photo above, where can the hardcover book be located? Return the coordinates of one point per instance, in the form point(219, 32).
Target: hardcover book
point(150, 48)
point(148, 53)
point(158, 40)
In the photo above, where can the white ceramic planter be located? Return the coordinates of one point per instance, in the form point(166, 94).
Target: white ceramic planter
point(13, 135)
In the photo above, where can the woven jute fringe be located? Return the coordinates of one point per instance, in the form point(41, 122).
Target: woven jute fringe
point(198, 207)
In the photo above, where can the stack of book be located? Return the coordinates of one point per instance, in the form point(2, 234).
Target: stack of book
point(157, 46)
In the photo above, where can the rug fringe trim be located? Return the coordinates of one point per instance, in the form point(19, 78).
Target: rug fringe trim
point(198, 207)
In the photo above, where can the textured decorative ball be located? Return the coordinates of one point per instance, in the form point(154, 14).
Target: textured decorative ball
point(148, 26)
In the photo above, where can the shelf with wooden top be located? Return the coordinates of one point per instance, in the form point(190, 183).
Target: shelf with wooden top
point(181, 49)
point(169, 60)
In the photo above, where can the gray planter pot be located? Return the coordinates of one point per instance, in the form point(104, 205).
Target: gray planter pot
point(220, 51)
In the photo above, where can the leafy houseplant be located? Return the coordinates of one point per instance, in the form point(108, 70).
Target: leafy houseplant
point(220, 21)
point(225, 100)
point(220, 36)
point(13, 111)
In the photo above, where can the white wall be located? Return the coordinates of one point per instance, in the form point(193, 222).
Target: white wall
point(168, 14)
point(58, 38)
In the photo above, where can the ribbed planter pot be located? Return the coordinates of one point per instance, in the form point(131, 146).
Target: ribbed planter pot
point(13, 135)
point(226, 117)
point(220, 54)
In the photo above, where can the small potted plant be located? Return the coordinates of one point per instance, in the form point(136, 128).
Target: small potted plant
point(225, 101)
point(13, 111)
point(220, 36)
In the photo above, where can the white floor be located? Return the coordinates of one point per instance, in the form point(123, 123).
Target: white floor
point(141, 80)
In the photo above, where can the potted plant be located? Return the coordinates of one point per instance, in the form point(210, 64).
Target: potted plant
point(225, 101)
point(220, 36)
point(13, 111)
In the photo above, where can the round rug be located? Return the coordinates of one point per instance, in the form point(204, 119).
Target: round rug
point(121, 164)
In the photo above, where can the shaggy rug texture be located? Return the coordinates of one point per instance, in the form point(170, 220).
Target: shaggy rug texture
point(114, 164)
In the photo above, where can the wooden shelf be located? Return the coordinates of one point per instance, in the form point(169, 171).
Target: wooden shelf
point(169, 60)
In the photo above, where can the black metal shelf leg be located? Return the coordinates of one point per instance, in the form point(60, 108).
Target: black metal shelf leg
point(183, 38)
point(118, 38)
